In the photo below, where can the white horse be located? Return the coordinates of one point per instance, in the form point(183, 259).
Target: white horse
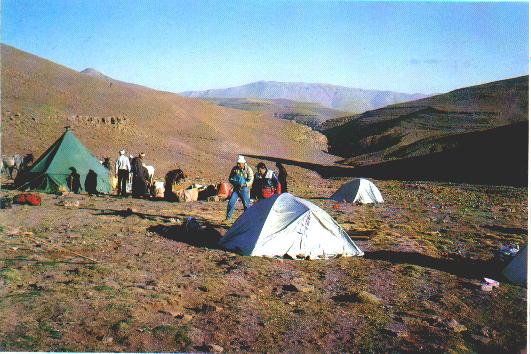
point(151, 173)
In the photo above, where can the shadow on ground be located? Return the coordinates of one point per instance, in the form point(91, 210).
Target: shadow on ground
point(506, 230)
point(459, 266)
point(193, 231)
point(471, 158)
point(202, 235)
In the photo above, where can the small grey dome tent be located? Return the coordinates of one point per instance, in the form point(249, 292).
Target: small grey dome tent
point(284, 224)
point(359, 190)
point(516, 270)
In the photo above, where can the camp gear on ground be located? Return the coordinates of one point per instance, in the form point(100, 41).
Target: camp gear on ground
point(5, 203)
point(241, 193)
point(207, 191)
point(487, 284)
point(51, 170)
point(28, 199)
point(516, 270)
point(359, 190)
point(287, 225)
point(158, 189)
point(188, 195)
point(224, 190)
point(491, 282)
point(191, 224)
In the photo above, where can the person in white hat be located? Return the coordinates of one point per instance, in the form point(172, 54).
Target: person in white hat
point(122, 171)
point(241, 177)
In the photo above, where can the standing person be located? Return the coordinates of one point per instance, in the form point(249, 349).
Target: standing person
point(139, 176)
point(91, 183)
point(282, 177)
point(266, 183)
point(241, 177)
point(74, 180)
point(107, 163)
point(123, 167)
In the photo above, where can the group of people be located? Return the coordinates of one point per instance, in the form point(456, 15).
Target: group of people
point(73, 181)
point(127, 166)
point(262, 185)
point(246, 185)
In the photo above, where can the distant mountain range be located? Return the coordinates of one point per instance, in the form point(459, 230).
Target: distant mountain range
point(340, 98)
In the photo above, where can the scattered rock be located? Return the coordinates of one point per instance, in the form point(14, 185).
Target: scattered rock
point(214, 348)
point(290, 287)
point(298, 288)
point(172, 313)
point(481, 339)
point(486, 287)
point(107, 340)
point(306, 288)
point(205, 308)
point(456, 326)
point(68, 203)
point(203, 288)
point(358, 296)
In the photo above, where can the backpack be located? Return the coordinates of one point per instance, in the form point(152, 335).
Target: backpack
point(27, 198)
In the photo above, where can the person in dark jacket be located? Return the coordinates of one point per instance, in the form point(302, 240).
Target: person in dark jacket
point(241, 177)
point(282, 177)
point(139, 176)
point(74, 180)
point(266, 183)
point(91, 183)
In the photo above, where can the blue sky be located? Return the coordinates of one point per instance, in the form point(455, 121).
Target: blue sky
point(192, 45)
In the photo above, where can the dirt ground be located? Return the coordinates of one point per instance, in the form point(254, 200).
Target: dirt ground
point(96, 277)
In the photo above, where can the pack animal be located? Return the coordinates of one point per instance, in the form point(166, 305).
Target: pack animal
point(151, 173)
point(17, 162)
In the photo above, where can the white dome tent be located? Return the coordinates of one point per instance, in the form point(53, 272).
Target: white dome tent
point(287, 225)
point(359, 190)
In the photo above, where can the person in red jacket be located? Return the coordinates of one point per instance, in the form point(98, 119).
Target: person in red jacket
point(265, 182)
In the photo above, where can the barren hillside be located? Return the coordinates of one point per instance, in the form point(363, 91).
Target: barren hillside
point(40, 97)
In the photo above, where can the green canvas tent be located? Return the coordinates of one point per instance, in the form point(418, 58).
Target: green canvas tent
point(51, 170)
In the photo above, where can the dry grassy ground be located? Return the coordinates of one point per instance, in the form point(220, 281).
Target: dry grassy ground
point(156, 287)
